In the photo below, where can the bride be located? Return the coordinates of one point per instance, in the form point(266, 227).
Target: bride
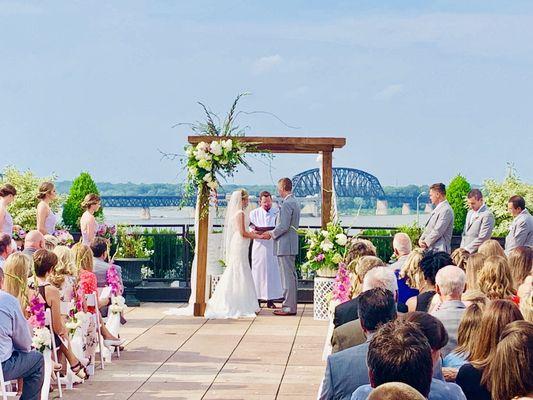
point(234, 294)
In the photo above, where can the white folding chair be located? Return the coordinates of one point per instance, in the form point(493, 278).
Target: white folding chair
point(92, 301)
point(48, 322)
point(6, 386)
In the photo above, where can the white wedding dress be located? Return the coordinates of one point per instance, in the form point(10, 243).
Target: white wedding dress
point(234, 295)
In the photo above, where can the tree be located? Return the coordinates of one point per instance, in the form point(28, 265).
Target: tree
point(24, 207)
point(457, 191)
point(72, 211)
point(497, 197)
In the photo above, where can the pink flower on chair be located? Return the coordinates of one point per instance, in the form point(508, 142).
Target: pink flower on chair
point(342, 286)
point(113, 280)
point(36, 309)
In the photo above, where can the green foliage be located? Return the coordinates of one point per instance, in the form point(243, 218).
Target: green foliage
point(24, 208)
point(456, 193)
point(72, 211)
point(414, 232)
point(132, 244)
point(497, 196)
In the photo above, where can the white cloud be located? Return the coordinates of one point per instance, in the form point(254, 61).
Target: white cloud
point(389, 92)
point(266, 64)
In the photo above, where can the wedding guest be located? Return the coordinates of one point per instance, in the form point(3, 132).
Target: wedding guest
point(401, 352)
point(17, 358)
point(347, 311)
point(88, 225)
point(44, 262)
point(467, 336)
point(474, 264)
point(495, 279)
point(526, 306)
point(460, 257)
point(99, 247)
point(438, 232)
point(33, 241)
point(521, 229)
point(395, 391)
point(520, 263)
point(5, 248)
point(50, 242)
point(510, 373)
point(17, 269)
point(430, 264)
point(402, 247)
point(347, 369)
point(63, 275)
point(450, 285)
point(357, 248)
point(491, 248)
point(411, 271)
point(7, 195)
point(496, 316)
point(479, 223)
point(46, 219)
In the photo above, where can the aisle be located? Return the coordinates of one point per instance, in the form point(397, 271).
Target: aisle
point(169, 357)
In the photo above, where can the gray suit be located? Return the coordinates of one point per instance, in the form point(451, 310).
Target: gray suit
point(520, 232)
point(100, 270)
point(478, 228)
point(345, 372)
point(286, 241)
point(450, 314)
point(439, 228)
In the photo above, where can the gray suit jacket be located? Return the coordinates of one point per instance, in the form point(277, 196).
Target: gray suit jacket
point(347, 335)
point(285, 234)
point(345, 372)
point(520, 232)
point(450, 314)
point(477, 229)
point(100, 270)
point(439, 228)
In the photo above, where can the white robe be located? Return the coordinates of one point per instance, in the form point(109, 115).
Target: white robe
point(265, 270)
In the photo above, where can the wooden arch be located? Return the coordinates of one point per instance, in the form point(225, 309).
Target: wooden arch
point(296, 145)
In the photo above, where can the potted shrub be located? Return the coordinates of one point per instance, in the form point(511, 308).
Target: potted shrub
point(132, 255)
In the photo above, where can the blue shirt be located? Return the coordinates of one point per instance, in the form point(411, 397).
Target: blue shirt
point(14, 329)
point(454, 360)
point(439, 391)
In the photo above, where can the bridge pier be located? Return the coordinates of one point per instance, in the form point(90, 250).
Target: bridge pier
point(406, 209)
point(382, 207)
point(145, 213)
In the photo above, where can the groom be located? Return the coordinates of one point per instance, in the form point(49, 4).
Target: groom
point(285, 236)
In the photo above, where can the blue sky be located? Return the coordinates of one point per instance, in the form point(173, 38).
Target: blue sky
point(422, 90)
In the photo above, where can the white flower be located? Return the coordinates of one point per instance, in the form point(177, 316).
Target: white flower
point(203, 146)
point(189, 151)
point(200, 154)
point(193, 171)
point(213, 185)
point(325, 233)
point(41, 338)
point(341, 239)
point(227, 144)
point(205, 164)
point(241, 150)
point(224, 161)
point(326, 245)
point(119, 300)
point(72, 325)
point(208, 178)
point(215, 148)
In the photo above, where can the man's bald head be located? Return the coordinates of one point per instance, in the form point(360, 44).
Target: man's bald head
point(34, 240)
point(402, 244)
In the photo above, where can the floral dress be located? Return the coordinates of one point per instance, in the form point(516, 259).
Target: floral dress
point(88, 285)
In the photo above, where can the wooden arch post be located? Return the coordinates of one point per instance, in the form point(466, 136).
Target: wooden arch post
point(296, 145)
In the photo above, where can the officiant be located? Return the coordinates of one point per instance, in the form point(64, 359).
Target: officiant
point(265, 270)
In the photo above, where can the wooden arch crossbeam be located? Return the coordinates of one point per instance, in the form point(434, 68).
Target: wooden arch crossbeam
point(295, 145)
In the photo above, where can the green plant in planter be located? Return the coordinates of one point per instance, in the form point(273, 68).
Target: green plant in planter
point(132, 244)
point(456, 194)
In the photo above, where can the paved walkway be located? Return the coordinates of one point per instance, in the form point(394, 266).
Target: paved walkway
point(171, 357)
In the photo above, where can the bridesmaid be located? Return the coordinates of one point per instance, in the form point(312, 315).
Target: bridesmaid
point(7, 195)
point(90, 204)
point(46, 219)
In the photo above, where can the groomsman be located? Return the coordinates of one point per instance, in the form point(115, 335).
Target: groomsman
point(437, 234)
point(521, 229)
point(479, 222)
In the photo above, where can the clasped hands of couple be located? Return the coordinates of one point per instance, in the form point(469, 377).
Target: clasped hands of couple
point(262, 235)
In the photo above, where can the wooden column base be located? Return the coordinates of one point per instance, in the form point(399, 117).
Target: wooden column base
point(199, 309)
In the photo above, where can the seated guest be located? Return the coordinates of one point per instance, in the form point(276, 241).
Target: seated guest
point(450, 285)
point(395, 391)
point(50, 242)
point(521, 229)
point(491, 248)
point(521, 264)
point(473, 267)
point(347, 370)
point(402, 248)
point(496, 316)
point(33, 241)
point(17, 358)
point(99, 247)
point(351, 333)
point(5, 248)
point(460, 257)
point(401, 352)
point(17, 268)
point(467, 335)
point(63, 275)
point(495, 279)
point(430, 264)
point(357, 248)
point(347, 311)
point(510, 373)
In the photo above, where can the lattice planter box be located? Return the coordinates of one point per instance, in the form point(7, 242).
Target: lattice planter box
point(322, 289)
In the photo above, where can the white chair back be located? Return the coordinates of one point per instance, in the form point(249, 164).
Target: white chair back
point(48, 322)
point(92, 301)
point(5, 386)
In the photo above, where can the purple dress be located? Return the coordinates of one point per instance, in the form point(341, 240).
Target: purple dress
point(50, 223)
point(7, 225)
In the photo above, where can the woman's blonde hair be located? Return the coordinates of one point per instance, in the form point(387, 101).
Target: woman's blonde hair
point(83, 257)
point(50, 242)
point(491, 248)
point(65, 266)
point(45, 189)
point(16, 270)
point(357, 248)
point(460, 257)
point(526, 307)
point(365, 264)
point(411, 271)
point(244, 194)
point(520, 262)
point(495, 278)
point(90, 200)
point(467, 333)
point(474, 264)
point(510, 372)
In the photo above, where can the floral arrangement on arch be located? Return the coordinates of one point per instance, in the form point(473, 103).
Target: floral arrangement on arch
point(325, 248)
